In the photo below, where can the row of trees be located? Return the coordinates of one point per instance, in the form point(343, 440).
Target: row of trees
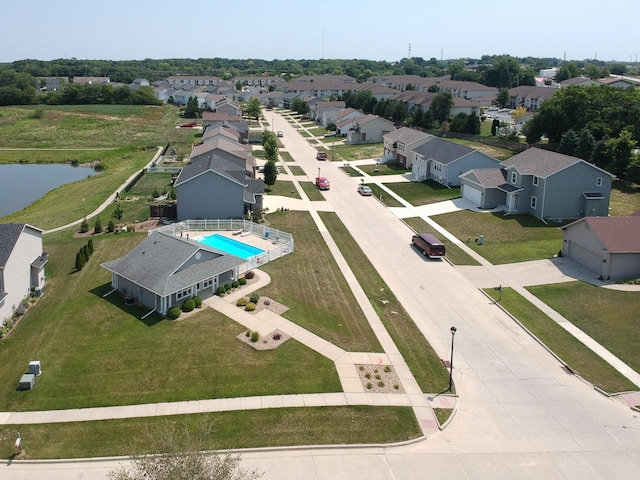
point(270, 145)
point(597, 123)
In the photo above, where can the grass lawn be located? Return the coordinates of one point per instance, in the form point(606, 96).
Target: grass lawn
point(286, 156)
point(384, 169)
point(508, 239)
point(383, 196)
point(423, 193)
point(312, 192)
point(229, 430)
point(317, 132)
point(455, 254)
point(422, 360)
point(347, 153)
point(296, 170)
point(442, 414)
point(304, 133)
point(609, 316)
point(574, 353)
point(127, 137)
point(259, 153)
point(352, 172)
point(284, 188)
point(625, 198)
point(96, 351)
point(310, 283)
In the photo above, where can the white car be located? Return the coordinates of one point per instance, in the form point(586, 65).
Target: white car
point(280, 134)
point(364, 190)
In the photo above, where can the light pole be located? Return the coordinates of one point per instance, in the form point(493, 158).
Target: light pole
point(453, 334)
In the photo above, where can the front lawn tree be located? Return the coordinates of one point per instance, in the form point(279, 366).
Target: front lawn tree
point(180, 453)
point(270, 173)
point(253, 108)
point(192, 110)
point(270, 145)
point(503, 97)
point(441, 105)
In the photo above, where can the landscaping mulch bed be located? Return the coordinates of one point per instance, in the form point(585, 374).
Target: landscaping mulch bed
point(266, 342)
point(386, 383)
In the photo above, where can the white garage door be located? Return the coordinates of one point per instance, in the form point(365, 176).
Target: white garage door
point(585, 257)
point(471, 194)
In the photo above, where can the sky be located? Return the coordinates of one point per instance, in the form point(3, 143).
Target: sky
point(303, 29)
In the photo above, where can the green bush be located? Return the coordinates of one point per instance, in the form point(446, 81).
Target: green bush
point(198, 301)
point(254, 298)
point(84, 226)
point(188, 305)
point(242, 302)
point(255, 336)
point(221, 291)
point(173, 313)
point(227, 287)
point(242, 281)
point(250, 307)
point(235, 284)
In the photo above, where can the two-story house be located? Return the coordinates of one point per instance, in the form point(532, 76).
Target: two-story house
point(399, 143)
point(545, 184)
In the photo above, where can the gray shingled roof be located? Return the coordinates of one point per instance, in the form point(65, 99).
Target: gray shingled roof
point(442, 151)
point(9, 233)
point(216, 164)
point(156, 263)
point(539, 162)
point(407, 135)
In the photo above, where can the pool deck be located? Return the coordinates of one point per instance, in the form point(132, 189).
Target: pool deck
point(247, 238)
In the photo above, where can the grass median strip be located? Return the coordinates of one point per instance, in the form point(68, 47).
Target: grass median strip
point(310, 283)
point(312, 191)
point(237, 429)
point(574, 353)
point(425, 365)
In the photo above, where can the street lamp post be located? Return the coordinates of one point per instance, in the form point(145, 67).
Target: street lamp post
point(453, 334)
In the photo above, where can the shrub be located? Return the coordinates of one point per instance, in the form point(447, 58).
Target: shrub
point(242, 281)
point(220, 291)
point(235, 284)
point(247, 333)
point(369, 386)
point(198, 301)
point(361, 367)
point(396, 386)
point(368, 375)
point(90, 245)
point(249, 275)
point(97, 227)
point(188, 305)
point(86, 252)
point(381, 384)
point(3, 332)
point(277, 336)
point(80, 260)
point(111, 227)
point(255, 336)
point(242, 302)
point(250, 307)
point(9, 324)
point(227, 287)
point(84, 226)
point(173, 313)
point(254, 298)
point(387, 368)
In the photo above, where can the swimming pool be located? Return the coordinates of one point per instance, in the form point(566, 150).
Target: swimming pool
point(230, 245)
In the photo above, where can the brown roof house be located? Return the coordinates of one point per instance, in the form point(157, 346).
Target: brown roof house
point(610, 246)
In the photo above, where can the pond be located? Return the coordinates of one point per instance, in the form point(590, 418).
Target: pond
point(23, 184)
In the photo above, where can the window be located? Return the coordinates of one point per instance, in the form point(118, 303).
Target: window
point(535, 180)
point(599, 182)
point(514, 177)
point(207, 283)
point(534, 202)
point(183, 294)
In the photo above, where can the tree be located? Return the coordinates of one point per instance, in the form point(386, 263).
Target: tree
point(270, 145)
point(270, 173)
point(518, 113)
point(494, 126)
point(584, 149)
point(569, 142)
point(97, 226)
point(300, 106)
point(90, 245)
point(111, 227)
point(80, 260)
point(118, 211)
point(473, 124)
point(503, 97)
point(253, 108)
point(84, 226)
point(181, 454)
point(192, 110)
point(441, 105)
point(620, 153)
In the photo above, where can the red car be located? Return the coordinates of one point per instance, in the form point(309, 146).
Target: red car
point(189, 125)
point(322, 183)
point(321, 156)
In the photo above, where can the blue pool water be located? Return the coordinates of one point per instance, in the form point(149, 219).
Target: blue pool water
point(231, 246)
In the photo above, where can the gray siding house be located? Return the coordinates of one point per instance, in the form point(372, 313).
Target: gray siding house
point(542, 183)
point(609, 246)
point(399, 143)
point(22, 262)
point(444, 161)
point(164, 270)
point(216, 188)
